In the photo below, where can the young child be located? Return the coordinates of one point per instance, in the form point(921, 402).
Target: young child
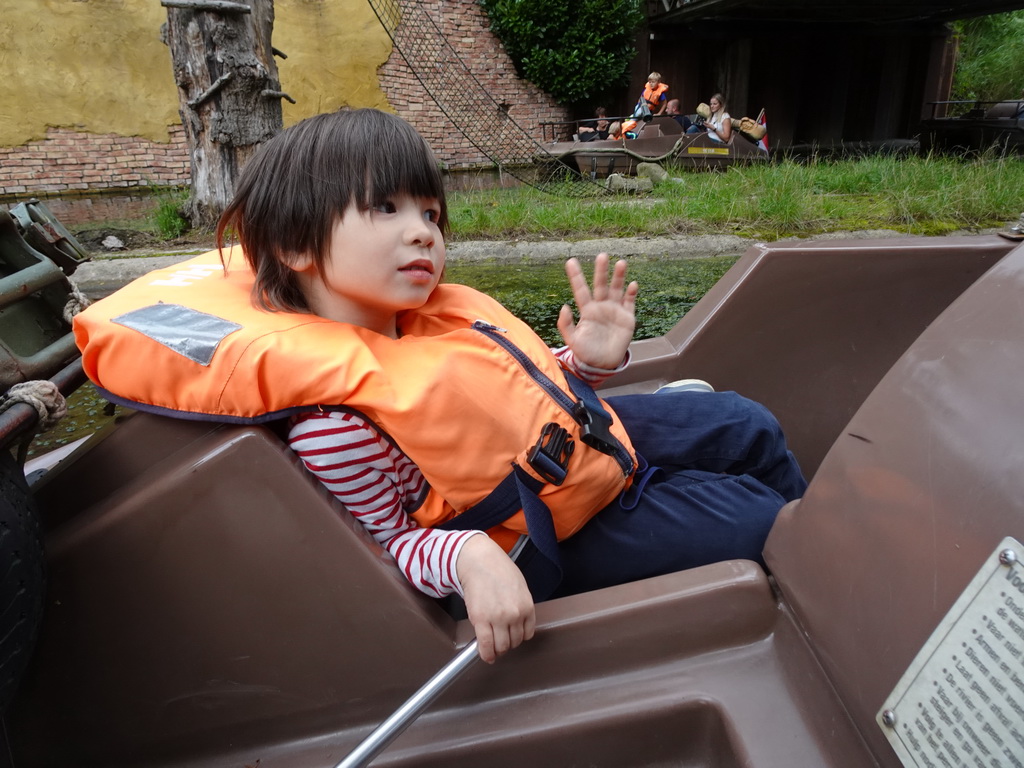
point(654, 94)
point(653, 97)
point(480, 459)
point(344, 216)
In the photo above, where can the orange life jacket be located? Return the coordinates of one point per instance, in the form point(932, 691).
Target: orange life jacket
point(653, 96)
point(466, 392)
point(627, 126)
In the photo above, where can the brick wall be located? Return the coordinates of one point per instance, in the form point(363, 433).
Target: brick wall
point(69, 162)
point(466, 27)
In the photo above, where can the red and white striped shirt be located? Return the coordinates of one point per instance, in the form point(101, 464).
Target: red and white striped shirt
point(377, 483)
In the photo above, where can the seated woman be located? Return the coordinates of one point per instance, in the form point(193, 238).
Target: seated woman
point(719, 124)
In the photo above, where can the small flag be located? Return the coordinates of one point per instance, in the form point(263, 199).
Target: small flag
point(763, 121)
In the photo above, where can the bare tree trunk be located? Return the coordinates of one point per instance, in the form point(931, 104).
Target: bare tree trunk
point(228, 89)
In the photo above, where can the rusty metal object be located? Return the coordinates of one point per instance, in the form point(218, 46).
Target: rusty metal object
point(35, 339)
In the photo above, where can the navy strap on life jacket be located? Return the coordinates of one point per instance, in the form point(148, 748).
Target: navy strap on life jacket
point(520, 490)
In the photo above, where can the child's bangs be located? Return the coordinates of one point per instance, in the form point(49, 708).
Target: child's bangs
point(402, 168)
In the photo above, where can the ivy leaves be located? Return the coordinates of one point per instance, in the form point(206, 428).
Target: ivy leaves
point(573, 51)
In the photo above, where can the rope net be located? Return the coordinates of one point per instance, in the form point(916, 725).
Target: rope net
point(473, 111)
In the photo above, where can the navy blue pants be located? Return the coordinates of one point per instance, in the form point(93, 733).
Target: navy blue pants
point(723, 474)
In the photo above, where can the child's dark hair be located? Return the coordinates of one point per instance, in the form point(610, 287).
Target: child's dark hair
point(292, 192)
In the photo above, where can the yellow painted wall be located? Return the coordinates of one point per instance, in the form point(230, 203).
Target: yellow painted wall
point(99, 66)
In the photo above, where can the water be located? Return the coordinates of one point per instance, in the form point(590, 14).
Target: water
point(87, 412)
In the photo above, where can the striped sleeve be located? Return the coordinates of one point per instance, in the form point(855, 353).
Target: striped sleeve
point(593, 376)
point(376, 481)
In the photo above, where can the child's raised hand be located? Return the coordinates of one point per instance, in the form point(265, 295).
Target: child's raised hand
point(607, 314)
point(498, 602)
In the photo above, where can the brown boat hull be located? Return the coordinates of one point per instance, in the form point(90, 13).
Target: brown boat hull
point(211, 605)
point(697, 151)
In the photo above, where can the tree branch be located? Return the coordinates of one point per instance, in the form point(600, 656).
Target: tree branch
point(268, 94)
point(222, 6)
point(217, 85)
point(278, 53)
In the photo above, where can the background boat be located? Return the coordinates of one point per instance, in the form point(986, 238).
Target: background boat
point(661, 140)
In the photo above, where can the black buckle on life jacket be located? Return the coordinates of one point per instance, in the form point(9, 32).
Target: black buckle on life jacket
point(595, 428)
point(550, 456)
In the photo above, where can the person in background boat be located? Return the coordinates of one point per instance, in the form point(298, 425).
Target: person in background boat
point(652, 98)
point(672, 110)
point(365, 249)
point(596, 128)
point(654, 94)
point(718, 124)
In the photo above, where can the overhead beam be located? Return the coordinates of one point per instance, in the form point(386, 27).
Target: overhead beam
point(877, 12)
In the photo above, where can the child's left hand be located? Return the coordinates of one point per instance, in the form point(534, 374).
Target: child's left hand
point(607, 314)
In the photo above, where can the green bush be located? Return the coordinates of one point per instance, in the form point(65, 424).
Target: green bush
point(573, 51)
point(990, 62)
point(169, 220)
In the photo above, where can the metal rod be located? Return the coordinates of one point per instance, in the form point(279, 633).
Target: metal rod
point(404, 716)
point(21, 416)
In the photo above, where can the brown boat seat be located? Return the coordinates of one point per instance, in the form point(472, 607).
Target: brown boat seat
point(919, 489)
point(666, 126)
point(210, 606)
point(808, 329)
point(203, 585)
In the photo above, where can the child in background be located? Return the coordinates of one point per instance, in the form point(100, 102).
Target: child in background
point(654, 94)
point(479, 458)
point(652, 102)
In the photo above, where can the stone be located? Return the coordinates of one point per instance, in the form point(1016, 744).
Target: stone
point(112, 243)
point(627, 185)
point(651, 171)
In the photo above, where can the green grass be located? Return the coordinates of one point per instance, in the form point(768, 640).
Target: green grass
point(767, 201)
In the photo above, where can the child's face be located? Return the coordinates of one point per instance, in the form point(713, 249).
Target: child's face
point(382, 261)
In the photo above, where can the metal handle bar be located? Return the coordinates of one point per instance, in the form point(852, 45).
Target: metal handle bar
point(404, 716)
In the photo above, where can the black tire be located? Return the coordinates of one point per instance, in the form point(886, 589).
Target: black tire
point(22, 577)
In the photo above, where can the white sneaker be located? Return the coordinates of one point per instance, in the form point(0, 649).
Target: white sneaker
point(686, 385)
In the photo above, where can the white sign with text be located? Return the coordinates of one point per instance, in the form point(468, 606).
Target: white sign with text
point(961, 701)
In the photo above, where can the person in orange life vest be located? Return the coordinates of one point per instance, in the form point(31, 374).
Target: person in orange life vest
point(653, 97)
point(654, 94)
point(343, 216)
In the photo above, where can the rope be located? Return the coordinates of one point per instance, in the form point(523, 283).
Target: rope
point(77, 301)
point(42, 395)
point(625, 149)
